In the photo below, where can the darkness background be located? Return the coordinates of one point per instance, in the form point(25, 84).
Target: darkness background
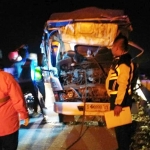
point(22, 21)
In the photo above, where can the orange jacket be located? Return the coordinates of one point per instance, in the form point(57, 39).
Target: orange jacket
point(13, 108)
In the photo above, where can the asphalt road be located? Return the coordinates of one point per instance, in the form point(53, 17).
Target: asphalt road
point(57, 136)
point(80, 135)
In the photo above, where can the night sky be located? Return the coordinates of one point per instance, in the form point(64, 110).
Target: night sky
point(22, 21)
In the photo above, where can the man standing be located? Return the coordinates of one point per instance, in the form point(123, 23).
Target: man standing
point(38, 78)
point(118, 86)
point(12, 110)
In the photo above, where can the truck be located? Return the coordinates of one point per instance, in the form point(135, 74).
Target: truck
point(76, 57)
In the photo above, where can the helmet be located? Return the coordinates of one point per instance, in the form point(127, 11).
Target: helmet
point(14, 56)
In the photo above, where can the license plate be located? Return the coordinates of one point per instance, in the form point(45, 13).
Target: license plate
point(98, 107)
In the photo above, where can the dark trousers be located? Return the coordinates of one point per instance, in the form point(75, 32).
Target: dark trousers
point(9, 142)
point(41, 87)
point(123, 133)
point(123, 136)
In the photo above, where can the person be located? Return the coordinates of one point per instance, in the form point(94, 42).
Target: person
point(39, 81)
point(12, 110)
point(118, 86)
point(24, 74)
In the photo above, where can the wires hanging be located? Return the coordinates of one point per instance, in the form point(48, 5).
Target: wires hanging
point(138, 47)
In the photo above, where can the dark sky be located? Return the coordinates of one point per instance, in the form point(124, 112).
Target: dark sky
point(22, 21)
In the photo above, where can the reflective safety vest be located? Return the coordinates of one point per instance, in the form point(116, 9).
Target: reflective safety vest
point(38, 74)
point(112, 79)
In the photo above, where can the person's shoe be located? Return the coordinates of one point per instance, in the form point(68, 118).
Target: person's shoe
point(35, 115)
point(45, 119)
point(44, 107)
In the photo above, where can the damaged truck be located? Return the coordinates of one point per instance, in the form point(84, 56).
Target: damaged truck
point(76, 57)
